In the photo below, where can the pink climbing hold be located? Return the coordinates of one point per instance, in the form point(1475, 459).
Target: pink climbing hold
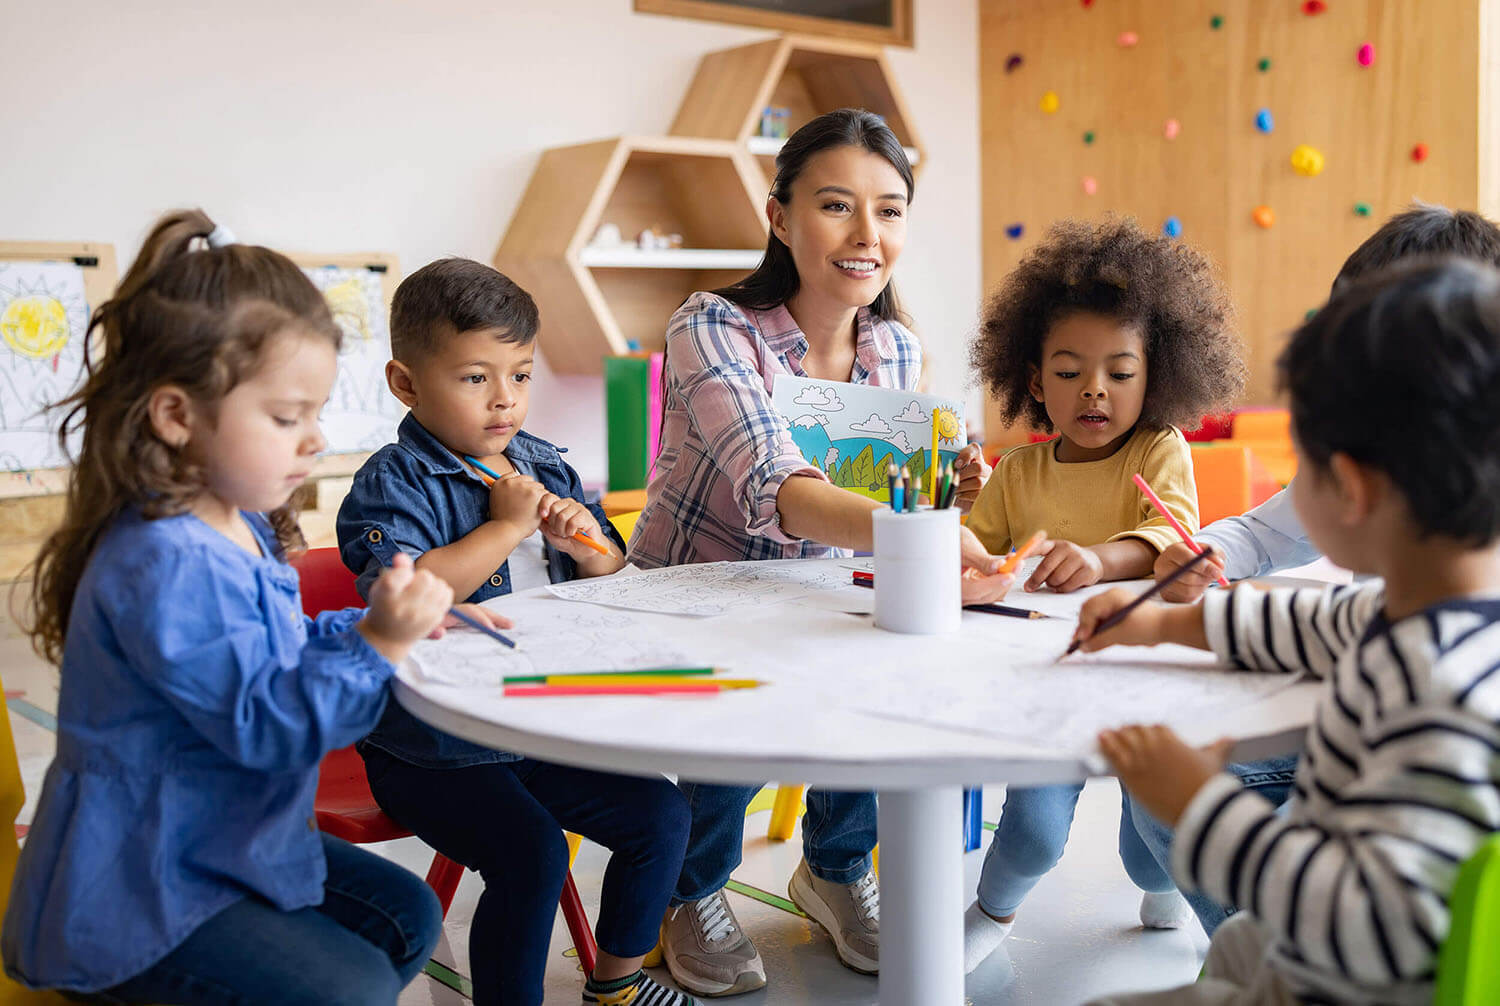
point(1128, 39)
point(1171, 128)
point(1313, 7)
point(1090, 185)
point(1367, 55)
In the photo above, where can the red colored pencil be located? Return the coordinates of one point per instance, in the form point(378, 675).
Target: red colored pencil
point(1161, 508)
point(525, 691)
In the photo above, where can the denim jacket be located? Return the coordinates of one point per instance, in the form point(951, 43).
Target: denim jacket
point(196, 702)
point(416, 495)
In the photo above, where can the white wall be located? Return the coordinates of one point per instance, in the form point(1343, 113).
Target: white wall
point(411, 127)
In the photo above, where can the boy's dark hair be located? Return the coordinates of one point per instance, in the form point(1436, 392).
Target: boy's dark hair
point(1194, 361)
point(1401, 372)
point(1425, 229)
point(455, 295)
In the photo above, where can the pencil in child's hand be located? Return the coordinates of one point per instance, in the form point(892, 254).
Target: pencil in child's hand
point(1156, 588)
point(1017, 557)
point(1161, 508)
point(472, 622)
point(489, 478)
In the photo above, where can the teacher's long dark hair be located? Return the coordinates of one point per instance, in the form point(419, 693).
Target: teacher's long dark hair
point(775, 280)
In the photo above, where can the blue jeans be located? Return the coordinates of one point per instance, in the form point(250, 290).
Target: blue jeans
point(1029, 841)
point(505, 820)
point(838, 833)
point(1271, 778)
point(369, 938)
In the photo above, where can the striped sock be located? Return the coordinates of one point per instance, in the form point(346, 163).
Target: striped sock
point(633, 990)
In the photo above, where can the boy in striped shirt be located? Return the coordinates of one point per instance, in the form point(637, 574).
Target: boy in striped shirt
point(1395, 398)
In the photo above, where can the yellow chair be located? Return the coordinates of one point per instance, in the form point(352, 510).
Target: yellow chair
point(12, 796)
point(625, 522)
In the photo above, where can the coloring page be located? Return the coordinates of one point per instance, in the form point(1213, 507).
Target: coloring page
point(361, 413)
point(44, 316)
point(706, 589)
point(853, 433)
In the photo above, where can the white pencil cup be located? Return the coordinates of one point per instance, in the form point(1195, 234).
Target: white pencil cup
point(917, 571)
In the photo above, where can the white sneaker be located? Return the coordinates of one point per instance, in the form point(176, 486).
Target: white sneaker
point(983, 934)
point(1168, 910)
point(706, 950)
point(849, 912)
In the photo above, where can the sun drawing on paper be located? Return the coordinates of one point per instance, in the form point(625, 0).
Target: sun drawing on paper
point(351, 310)
point(949, 429)
point(35, 326)
point(44, 315)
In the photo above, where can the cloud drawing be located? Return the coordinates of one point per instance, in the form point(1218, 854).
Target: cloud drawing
point(874, 426)
point(815, 397)
point(913, 414)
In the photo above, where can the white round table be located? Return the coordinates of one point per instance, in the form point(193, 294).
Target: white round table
point(843, 709)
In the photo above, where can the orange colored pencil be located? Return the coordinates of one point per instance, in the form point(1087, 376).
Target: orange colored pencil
point(489, 478)
point(1019, 555)
point(1161, 508)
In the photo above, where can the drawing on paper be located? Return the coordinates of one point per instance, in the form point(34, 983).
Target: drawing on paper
point(854, 432)
point(44, 318)
point(708, 588)
point(551, 638)
point(361, 414)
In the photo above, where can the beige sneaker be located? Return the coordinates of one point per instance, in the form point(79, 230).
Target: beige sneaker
point(706, 950)
point(849, 912)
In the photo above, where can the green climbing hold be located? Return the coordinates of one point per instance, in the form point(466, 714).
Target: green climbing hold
point(1361, 209)
point(1088, 137)
point(1216, 22)
point(1263, 65)
point(1310, 313)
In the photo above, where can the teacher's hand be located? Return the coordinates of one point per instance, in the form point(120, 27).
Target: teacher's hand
point(973, 473)
point(983, 583)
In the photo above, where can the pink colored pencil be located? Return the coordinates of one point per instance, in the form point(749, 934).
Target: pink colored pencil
point(523, 691)
point(1161, 508)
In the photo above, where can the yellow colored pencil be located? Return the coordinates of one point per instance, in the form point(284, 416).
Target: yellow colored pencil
point(565, 680)
point(932, 490)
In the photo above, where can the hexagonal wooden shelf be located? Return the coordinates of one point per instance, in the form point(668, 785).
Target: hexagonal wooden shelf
point(594, 301)
point(806, 75)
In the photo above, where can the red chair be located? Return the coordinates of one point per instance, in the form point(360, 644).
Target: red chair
point(344, 806)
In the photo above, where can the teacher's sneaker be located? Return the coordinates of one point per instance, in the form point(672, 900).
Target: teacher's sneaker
point(849, 912)
point(706, 950)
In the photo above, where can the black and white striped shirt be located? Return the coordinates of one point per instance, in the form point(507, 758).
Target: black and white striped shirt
point(1398, 784)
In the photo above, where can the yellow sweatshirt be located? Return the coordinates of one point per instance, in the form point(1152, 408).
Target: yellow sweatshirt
point(1088, 502)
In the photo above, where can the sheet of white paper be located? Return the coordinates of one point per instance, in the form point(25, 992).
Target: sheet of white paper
point(709, 588)
point(361, 413)
point(551, 638)
point(855, 432)
point(44, 316)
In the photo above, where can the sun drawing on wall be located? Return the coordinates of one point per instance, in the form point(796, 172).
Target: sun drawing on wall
point(44, 320)
point(36, 326)
point(949, 429)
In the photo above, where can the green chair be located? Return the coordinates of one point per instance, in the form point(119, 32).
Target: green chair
point(1468, 971)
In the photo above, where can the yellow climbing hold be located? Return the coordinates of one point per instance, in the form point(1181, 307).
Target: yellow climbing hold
point(1049, 102)
point(1307, 160)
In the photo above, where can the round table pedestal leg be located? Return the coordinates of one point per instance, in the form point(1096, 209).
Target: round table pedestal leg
point(921, 897)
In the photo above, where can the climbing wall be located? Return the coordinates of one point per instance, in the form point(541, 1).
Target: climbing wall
point(1186, 115)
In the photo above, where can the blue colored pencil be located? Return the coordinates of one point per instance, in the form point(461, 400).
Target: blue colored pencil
point(898, 489)
point(473, 623)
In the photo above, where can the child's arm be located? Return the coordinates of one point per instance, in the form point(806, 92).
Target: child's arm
point(200, 637)
point(515, 513)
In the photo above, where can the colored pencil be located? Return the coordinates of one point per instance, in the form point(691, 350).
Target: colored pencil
point(1017, 557)
point(1005, 609)
point(1156, 588)
point(890, 480)
point(474, 623)
point(647, 681)
point(942, 489)
point(529, 691)
point(932, 492)
point(490, 478)
point(1161, 508)
point(898, 490)
point(670, 672)
point(862, 581)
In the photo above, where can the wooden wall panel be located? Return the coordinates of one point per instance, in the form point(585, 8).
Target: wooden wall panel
point(1425, 86)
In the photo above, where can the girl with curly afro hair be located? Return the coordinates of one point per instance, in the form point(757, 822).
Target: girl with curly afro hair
point(1114, 339)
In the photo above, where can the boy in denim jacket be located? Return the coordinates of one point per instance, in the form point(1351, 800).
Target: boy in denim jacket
point(463, 339)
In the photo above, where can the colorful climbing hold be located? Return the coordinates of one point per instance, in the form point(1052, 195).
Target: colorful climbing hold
point(1171, 128)
point(1310, 314)
point(1361, 209)
point(1014, 231)
point(1307, 160)
point(1264, 121)
point(1087, 4)
point(1263, 64)
point(1090, 185)
point(1013, 61)
point(1366, 55)
point(1264, 217)
point(1088, 136)
point(1216, 22)
point(1419, 153)
point(1313, 7)
point(1049, 102)
point(1127, 39)
point(1172, 228)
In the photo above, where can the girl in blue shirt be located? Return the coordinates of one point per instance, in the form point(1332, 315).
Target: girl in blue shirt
point(174, 856)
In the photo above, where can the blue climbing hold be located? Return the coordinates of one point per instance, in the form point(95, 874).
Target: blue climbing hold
point(1172, 228)
point(634, 345)
point(1014, 231)
point(1263, 120)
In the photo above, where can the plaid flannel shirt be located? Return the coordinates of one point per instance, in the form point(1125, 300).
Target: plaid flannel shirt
point(725, 450)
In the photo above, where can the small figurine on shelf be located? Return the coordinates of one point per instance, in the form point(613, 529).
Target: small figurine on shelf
point(775, 122)
point(673, 241)
point(606, 236)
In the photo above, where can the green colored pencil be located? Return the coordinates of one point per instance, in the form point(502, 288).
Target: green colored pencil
point(654, 672)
